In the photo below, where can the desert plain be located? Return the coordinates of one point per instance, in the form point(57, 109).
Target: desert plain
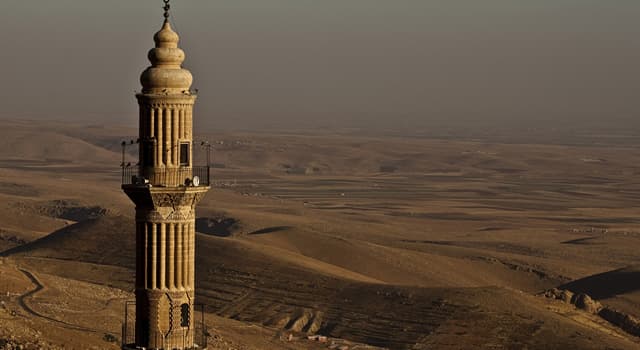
point(374, 241)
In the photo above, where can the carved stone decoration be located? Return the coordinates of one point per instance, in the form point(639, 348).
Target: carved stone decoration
point(181, 215)
point(164, 324)
point(176, 199)
point(166, 214)
point(172, 306)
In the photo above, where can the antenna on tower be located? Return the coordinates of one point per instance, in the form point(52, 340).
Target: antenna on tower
point(167, 7)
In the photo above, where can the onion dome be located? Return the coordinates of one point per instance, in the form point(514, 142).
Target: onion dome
point(166, 75)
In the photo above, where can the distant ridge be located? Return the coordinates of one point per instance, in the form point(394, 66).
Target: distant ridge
point(107, 240)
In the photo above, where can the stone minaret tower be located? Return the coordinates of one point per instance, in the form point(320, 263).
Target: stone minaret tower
point(165, 190)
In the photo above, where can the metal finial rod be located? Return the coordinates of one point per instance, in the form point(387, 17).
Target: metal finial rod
point(167, 7)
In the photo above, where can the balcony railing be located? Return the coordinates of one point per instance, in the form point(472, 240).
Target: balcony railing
point(182, 176)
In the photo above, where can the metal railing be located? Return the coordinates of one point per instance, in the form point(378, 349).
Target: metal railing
point(181, 176)
point(182, 335)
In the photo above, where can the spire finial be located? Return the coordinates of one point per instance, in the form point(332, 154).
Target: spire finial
point(167, 7)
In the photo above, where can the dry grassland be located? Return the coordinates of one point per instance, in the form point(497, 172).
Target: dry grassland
point(388, 242)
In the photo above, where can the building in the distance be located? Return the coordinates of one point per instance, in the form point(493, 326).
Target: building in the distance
point(165, 188)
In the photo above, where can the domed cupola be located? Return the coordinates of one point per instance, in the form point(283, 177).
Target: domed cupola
point(166, 75)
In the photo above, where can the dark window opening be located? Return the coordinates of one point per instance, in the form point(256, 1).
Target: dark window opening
point(184, 315)
point(184, 154)
point(147, 153)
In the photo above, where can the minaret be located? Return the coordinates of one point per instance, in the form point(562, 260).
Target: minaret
point(165, 189)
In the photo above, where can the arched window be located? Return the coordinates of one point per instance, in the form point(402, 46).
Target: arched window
point(184, 315)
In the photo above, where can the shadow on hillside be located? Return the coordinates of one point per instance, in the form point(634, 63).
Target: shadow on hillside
point(218, 226)
point(584, 241)
point(439, 216)
point(103, 240)
point(271, 230)
point(69, 209)
point(607, 284)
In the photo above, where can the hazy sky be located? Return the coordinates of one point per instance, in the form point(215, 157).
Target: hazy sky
point(299, 63)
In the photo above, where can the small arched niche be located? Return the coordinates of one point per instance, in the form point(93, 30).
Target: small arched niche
point(184, 315)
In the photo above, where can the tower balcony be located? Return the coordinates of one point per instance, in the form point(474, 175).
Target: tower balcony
point(166, 177)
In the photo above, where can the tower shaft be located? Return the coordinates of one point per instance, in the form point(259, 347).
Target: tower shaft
point(165, 265)
point(165, 193)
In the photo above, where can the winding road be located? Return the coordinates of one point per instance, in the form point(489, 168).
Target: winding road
point(38, 288)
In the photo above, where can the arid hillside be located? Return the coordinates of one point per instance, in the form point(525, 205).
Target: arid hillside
point(388, 242)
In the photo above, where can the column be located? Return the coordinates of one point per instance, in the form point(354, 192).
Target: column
point(182, 123)
point(171, 256)
point(162, 256)
point(161, 157)
point(179, 233)
point(147, 238)
point(167, 137)
point(189, 123)
point(185, 255)
point(152, 124)
point(174, 141)
point(153, 254)
point(192, 255)
point(140, 253)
